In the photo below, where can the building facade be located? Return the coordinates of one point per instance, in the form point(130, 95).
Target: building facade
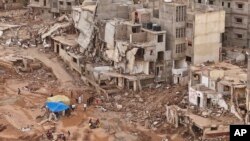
point(172, 16)
point(205, 26)
point(52, 8)
point(237, 33)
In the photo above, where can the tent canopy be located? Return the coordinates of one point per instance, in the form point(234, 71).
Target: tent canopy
point(59, 98)
point(57, 106)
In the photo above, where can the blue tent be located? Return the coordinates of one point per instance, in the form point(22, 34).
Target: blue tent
point(56, 106)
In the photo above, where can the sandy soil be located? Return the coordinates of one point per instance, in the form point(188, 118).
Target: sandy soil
point(19, 111)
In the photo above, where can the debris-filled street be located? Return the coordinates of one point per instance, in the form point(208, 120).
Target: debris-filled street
point(121, 70)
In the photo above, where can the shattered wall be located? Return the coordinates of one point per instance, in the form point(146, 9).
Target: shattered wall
point(68, 57)
point(84, 22)
point(199, 98)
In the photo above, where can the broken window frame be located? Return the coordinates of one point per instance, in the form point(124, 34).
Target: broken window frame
point(69, 4)
point(160, 38)
point(140, 54)
point(240, 6)
point(61, 3)
point(238, 20)
point(211, 2)
point(239, 36)
point(160, 56)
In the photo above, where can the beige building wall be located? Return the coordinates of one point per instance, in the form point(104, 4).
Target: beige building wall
point(206, 37)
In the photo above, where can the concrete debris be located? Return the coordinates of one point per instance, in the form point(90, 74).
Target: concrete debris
point(127, 64)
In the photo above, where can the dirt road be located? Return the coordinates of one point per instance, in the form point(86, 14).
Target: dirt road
point(61, 74)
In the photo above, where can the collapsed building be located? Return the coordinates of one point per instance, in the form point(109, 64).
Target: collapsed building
point(12, 4)
point(52, 8)
point(124, 45)
point(218, 97)
point(133, 55)
point(200, 127)
point(219, 85)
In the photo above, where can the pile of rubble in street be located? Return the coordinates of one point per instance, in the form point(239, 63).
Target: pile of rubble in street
point(147, 107)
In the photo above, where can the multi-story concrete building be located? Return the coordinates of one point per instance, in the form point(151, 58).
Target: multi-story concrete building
point(204, 28)
point(53, 8)
point(172, 16)
point(236, 33)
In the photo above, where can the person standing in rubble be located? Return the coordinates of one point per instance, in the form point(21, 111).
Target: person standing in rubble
point(97, 122)
point(68, 133)
point(85, 107)
point(18, 91)
point(90, 122)
point(71, 94)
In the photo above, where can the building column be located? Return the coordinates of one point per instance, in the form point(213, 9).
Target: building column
point(135, 85)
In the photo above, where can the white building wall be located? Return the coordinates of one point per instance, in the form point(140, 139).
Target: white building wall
point(208, 27)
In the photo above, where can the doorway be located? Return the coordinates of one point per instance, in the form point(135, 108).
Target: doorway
point(198, 101)
point(209, 102)
point(57, 48)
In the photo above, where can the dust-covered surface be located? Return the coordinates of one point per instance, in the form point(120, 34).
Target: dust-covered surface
point(27, 65)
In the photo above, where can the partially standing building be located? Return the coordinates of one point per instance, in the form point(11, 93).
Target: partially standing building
point(12, 4)
point(205, 25)
point(52, 8)
point(237, 21)
point(172, 16)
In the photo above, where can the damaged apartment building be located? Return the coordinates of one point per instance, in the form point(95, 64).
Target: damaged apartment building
point(215, 89)
point(52, 8)
point(193, 35)
point(132, 52)
point(219, 85)
point(126, 45)
point(12, 4)
point(237, 21)
point(172, 17)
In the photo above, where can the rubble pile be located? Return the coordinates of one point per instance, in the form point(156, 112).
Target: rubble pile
point(146, 107)
point(21, 29)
